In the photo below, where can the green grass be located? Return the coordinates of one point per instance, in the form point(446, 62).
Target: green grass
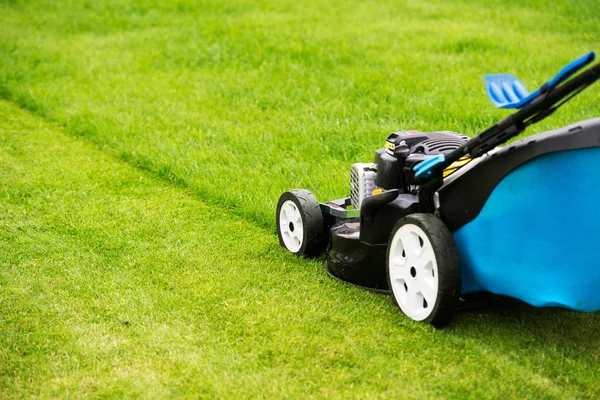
point(138, 189)
point(243, 101)
point(115, 283)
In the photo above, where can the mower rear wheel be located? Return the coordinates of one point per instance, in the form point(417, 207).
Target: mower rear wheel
point(423, 269)
point(300, 224)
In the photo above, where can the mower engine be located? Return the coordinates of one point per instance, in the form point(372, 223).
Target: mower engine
point(404, 150)
point(393, 166)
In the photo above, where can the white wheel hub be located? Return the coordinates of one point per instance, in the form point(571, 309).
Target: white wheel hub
point(413, 272)
point(290, 226)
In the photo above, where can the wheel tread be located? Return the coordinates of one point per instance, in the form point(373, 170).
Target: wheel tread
point(315, 235)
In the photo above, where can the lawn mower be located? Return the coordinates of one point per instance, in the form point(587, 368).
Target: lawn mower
point(439, 216)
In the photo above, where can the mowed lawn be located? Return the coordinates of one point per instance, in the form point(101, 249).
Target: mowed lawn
point(144, 144)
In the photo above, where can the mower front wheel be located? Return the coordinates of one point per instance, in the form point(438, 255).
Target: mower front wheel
point(300, 224)
point(423, 269)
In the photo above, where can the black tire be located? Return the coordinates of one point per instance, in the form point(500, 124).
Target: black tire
point(446, 282)
point(314, 231)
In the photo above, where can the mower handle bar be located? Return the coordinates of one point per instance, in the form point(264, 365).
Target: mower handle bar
point(542, 106)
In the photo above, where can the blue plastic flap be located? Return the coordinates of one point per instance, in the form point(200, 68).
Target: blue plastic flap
point(507, 91)
point(514, 248)
point(423, 169)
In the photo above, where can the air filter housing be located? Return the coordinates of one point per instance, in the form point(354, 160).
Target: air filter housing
point(362, 182)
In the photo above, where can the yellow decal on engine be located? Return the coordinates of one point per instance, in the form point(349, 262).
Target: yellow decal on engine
point(456, 165)
point(377, 191)
point(390, 146)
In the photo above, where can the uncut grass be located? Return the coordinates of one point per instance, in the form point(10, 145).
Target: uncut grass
point(245, 100)
point(115, 283)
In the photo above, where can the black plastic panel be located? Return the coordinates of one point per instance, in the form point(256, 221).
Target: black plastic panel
point(462, 199)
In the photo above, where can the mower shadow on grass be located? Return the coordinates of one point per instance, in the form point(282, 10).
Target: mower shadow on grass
point(531, 333)
point(506, 325)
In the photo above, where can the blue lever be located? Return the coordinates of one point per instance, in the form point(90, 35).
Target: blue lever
point(424, 168)
point(507, 91)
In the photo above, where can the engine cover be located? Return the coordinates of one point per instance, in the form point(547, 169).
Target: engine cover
point(403, 150)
